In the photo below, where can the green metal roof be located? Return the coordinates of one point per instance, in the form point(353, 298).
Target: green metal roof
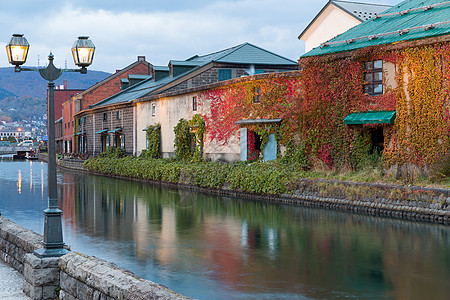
point(242, 54)
point(409, 20)
point(136, 91)
point(139, 76)
point(184, 63)
point(161, 68)
point(370, 117)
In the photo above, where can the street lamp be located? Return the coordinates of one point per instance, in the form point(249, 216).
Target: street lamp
point(83, 53)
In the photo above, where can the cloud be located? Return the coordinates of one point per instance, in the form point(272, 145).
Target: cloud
point(160, 30)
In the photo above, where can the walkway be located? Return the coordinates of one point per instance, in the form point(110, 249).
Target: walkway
point(11, 283)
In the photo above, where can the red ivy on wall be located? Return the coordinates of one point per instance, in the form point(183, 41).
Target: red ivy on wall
point(314, 102)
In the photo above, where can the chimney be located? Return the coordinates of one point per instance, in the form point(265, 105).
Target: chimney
point(141, 58)
point(65, 84)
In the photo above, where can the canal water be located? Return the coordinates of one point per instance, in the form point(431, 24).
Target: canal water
point(211, 247)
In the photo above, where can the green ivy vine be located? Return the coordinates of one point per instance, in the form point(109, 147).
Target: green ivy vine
point(184, 132)
point(197, 129)
point(153, 134)
point(182, 140)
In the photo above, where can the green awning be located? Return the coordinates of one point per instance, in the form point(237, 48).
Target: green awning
point(370, 117)
point(102, 131)
point(115, 130)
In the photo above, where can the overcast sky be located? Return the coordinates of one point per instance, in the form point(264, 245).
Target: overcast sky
point(161, 30)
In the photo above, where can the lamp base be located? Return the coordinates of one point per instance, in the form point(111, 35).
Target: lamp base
point(58, 252)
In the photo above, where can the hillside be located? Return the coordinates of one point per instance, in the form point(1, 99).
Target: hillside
point(23, 95)
point(22, 108)
point(32, 84)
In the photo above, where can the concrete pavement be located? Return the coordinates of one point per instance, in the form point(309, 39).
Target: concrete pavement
point(11, 283)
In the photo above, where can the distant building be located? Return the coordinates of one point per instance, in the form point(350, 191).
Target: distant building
point(15, 132)
point(59, 135)
point(62, 94)
point(335, 18)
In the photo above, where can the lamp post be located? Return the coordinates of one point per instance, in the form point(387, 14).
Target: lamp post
point(83, 53)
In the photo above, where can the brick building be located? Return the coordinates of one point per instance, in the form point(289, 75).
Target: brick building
point(74, 139)
point(62, 94)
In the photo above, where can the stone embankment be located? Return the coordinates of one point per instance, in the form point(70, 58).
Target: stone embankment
point(395, 201)
point(73, 276)
point(73, 164)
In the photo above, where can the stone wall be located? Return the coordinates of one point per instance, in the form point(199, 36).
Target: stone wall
point(16, 242)
point(74, 275)
point(43, 157)
point(73, 164)
point(87, 277)
point(394, 201)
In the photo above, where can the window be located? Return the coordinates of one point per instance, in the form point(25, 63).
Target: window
point(224, 74)
point(118, 116)
point(373, 77)
point(153, 109)
point(259, 72)
point(257, 95)
point(104, 117)
point(194, 103)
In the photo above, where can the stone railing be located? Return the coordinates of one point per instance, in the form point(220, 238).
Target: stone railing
point(72, 276)
point(87, 277)
point(16, 242)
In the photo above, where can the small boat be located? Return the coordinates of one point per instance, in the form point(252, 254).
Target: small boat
point(31, 156)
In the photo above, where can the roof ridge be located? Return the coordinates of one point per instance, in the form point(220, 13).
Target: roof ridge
point(234, 50)
point(227, 49)
point(257, 47)
point(364, 3)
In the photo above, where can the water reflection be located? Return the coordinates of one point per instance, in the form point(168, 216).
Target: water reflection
point(19, 182)
point(220, 248)
point(214, 247)
point(18, 196)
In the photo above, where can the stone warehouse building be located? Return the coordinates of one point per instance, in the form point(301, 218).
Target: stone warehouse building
point(167, 96)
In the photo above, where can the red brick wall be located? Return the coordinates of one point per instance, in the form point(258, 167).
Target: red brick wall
point(112, 86)
point(62, 96)
point(68, 123)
